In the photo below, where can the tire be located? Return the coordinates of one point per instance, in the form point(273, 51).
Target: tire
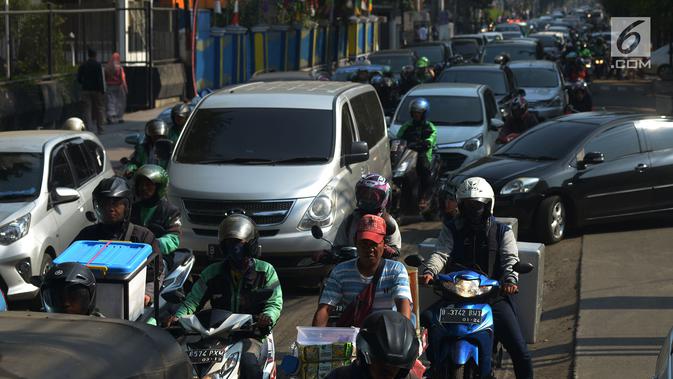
point(45, 265)
point(551, 220)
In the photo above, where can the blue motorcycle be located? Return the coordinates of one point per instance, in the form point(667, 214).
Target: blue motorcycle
point(462, 322)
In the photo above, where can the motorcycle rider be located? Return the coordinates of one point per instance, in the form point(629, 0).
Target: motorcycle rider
point(233, 283)
point(424, 73)
point(179, 115)
point(387, 348)
point(112, 203)
point(372, 193)
point(580, 99)
point(145, 152)
point(361, 76)
point(521, 119)
point(70, 288)
point(75, 124)
point(573, 68)
point(153, 211)
point(385, 87)
point(475, 239)
point(349, 279)
point(407, 79)
point(421, 136)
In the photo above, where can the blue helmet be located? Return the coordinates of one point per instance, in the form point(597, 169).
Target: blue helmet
point(419, 105)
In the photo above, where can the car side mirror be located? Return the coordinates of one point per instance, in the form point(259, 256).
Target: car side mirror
point(496, 124)
point(133, 139)
point(63, 195)
point(413, 260)
point(593, 158)
point(359, 153)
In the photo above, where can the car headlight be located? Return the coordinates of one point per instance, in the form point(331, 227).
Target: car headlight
point(467, 288)
point(15, 230)
point(555, 102)
point(474, 143)
point(321, 211)
point(519, 185)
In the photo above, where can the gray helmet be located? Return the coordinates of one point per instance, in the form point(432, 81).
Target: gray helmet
point(179, 110)
point(241, 227)
point(156, 128)
point(419, 105)
point(75, 124)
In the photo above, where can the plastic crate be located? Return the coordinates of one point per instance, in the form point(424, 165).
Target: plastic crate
point(309, 335)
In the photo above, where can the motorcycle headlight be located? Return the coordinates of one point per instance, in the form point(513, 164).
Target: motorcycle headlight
point(467, 288)
point(402, 168)
point(555, 102)
point(321, 211)
point(14, 230)
point(587, 65)
point(474, 143)
point(519, 185)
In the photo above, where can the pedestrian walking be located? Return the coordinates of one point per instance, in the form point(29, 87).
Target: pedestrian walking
point(422, 33)
point(115, 79)
point(91, 77)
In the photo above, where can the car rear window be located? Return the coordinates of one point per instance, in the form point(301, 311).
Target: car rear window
point(536, 77)
point(21, 176)
point(516, 52)
point(258, 136)
point(434, 53)
point(495, 79)
point(447, 110)
point(395, 62)
point(465, 47)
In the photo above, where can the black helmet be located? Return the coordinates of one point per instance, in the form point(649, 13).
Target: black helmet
point(239, 227)
point(69, 283)
point(156, 128)
point(112, 188)
point(389, 337)
point(180, 110)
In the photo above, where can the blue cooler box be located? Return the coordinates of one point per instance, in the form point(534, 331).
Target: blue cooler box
point(121, 272)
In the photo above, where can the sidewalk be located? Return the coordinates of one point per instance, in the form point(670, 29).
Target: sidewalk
point(114, 136)
point(626, 303)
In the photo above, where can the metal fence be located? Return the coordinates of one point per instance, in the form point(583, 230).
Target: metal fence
point(49, 42)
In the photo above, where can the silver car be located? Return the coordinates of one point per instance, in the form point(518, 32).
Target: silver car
point(287, 153)
point(543, 82)
point(46, 182)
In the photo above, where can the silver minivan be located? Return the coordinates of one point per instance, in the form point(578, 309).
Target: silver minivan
point(287, 153)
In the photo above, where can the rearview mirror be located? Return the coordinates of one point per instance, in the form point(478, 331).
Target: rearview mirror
point(133, 139)
point(496, 124)
point(593, 158)
point(523, 267)
point(63, 195)
point(413, 260)
point(316, 232)
point(359, 153)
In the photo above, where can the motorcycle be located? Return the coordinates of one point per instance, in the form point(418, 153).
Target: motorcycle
point(213, 341)
point(405, 188)
point(461, 318)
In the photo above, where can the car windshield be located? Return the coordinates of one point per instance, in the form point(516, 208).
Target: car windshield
point(434, 53)
point(396, 62)
point(20, 176)
point(465, 47)
point(534, 144)
point(515, 52)
point(536, 77)
point(446, 110)
point(258, 136)
point(494, 79)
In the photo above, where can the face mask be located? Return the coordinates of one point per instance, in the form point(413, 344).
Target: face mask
point(237, 254)
point(473, 212)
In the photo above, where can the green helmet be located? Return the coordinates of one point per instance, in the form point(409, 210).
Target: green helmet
point(585, 53)
point(422, 62)
point(156, 174)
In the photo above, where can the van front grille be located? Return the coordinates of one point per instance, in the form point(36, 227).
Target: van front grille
point(211, 212)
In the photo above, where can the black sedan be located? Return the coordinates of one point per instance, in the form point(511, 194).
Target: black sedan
point(581, 169)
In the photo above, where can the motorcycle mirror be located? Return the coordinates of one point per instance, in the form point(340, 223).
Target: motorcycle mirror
point(174, 297)
point(133, 139)
point(316, 232)
point(90, 216)
point(413, 260)
point(523, 267)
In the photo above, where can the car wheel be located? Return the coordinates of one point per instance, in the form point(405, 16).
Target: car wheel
point(664, 72)
point(46, 264)
point(551, 220)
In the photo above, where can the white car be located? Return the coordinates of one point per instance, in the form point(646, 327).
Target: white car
point(466, 117)
point(660, 62)
point(46, 182)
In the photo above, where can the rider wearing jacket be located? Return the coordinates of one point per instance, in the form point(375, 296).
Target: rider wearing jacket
point(372, 193)
point(421, 135)
point(235, 284)
point(153, 211)
point(112, 203)
point(476, 240)
point(521, 119)
point(145, 152)
point(387, 349)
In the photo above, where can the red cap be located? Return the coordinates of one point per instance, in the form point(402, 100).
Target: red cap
point(371, 228)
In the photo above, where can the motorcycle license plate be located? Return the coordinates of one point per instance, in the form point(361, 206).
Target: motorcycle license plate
point(199, 356)
point(460, 316)
point(213, 250)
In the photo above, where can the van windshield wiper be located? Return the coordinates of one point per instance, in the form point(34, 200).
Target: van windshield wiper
point(302, 159)
point(237, 160)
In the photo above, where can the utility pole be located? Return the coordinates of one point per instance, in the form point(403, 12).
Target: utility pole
point(8, 63)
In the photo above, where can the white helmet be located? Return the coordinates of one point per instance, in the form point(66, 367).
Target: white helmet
point(75, 124)
point(476, 188)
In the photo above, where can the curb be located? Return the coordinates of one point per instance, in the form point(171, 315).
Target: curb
point(573, 366)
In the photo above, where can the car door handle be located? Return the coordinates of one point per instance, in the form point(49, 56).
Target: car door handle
point(642, 167)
